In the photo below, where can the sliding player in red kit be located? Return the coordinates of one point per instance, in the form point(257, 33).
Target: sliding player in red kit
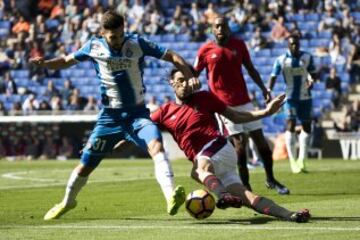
point(190, 120)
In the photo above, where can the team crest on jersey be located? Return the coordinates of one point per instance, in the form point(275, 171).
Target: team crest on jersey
point(129, 53)
point(95, 46)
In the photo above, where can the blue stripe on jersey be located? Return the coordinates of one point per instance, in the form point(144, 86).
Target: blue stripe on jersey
point(126, 90)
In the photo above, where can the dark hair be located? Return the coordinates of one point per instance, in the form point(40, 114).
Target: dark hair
point(112, 20)
point(295, 36)
point(175, 70)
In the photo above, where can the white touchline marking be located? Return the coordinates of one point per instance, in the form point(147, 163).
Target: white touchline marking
point(51, 182)
point(190, 227)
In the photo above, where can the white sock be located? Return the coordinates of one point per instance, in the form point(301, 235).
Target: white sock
point(164, 174)
point(74, 185)
point(303, 147)
point(290, 140)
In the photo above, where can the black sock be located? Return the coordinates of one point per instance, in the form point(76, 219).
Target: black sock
point(267, 160)
point(214, 185)
point(268, 207)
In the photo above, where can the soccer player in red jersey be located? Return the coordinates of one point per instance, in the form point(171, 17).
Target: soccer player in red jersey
point(190, 120)
point(223, 59)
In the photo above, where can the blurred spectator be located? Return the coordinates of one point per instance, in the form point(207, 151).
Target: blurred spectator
point(279, 31)
point(295, 30)
point(353, 63)
point(123, 8)
point(48, 47)
point(93, 25)
point(137, 10)
point(74, 103)
point(32, 147)
point(333, 83)
point(21, 26)
point(198, 34)
point(91, 104)
point(2, 10)
point(9, 84)
point(350, 120)
point(44, 106)
point(66, 91)
point(156, 23)
point(56, 103)
point(152, 105)
point(51, 90)
point(178, 13)
point(195, 13)
point(174, 26)
point(58, 11)
point(30, 104)
point(239, 14)
point(258, 41)
point(329, 21)
point(335, 50)
point(210, 13)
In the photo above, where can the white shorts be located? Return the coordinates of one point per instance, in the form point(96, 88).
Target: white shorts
point(233, 128)
point(224, 160)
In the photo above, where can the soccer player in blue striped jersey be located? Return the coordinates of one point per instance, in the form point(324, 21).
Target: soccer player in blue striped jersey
point(298, 71)
point(118, 59)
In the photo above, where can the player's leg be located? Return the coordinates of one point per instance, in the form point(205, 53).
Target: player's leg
point(266, 155)
point(290, 135)
point(304, 114)
point(149, 137)
point(95, 150)
point(240, 141)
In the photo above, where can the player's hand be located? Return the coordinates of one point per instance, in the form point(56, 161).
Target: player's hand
point(194, 84)
point(309, 84)
point(275, 104)
point(267, 95)
point(38, 61)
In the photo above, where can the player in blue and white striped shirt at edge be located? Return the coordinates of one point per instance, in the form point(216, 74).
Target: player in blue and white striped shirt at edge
point(298, 71)
point(118, 59)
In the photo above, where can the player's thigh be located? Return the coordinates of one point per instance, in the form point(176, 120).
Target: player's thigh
point(291, 109)
point(225, 165)
point(227, 127)
point(304, 110)
point(101, 142)
point(147, 136)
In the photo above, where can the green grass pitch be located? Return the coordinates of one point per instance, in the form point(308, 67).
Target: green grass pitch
point(123, 201)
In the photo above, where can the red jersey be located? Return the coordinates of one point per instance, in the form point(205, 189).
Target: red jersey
point(223, 68)
point(192, 124)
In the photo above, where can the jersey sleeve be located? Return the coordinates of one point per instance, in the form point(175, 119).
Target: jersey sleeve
point(200, 63)
point(311, 67)
point(156, 116)
point(83, 53)
point(151, 49)
point(276, 68)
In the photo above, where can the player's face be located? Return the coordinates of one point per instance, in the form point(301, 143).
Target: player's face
point(220, 29)
point(180, 86)
point(114, 37)
point(294, 45)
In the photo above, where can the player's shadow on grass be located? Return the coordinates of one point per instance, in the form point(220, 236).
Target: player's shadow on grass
point(243, 221)
point(336, 219)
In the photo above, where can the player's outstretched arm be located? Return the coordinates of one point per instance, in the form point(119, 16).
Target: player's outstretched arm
point(241, 117)
point(184, 67)
point(55, 63)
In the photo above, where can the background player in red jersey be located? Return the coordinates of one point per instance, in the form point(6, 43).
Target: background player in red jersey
point(223, 59)
point(190, 120)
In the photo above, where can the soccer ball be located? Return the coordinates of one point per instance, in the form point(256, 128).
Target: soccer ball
point(200, 204)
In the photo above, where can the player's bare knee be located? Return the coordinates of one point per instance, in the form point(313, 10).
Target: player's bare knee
point(155, 147)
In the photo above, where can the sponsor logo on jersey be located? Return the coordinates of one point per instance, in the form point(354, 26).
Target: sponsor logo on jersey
point(213, 55)
point(118, 64)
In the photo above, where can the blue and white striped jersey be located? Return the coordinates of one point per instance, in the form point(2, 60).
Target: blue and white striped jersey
point(120, 72)
point(295, 72)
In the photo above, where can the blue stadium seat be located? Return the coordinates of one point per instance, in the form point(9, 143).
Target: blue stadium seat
point(155, 38)
point(4, 32)
point(20, 73)
point(319, 42)
point(168, 38)
point(325, 34)
point(345, 77)
point(319, 86)
point(5, 24)
point(182, 38)
point(312, 17)
point(276, 52)
point(308, 26)
point(263, 53)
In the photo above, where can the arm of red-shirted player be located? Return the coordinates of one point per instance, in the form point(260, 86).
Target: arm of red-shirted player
point(254, 74)
point(241, 117)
